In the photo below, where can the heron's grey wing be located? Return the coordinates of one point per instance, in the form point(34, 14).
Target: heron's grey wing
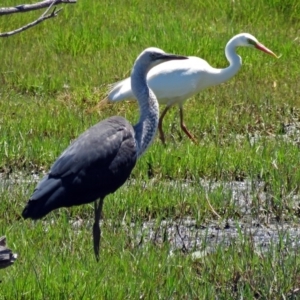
point(97, 146)
point(94, 165)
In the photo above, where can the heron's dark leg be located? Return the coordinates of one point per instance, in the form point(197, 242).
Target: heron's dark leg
point(96, 227)
point(160, 130)
point(183, 127)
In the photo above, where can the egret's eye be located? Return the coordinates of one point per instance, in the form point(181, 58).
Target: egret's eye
point(251, 42)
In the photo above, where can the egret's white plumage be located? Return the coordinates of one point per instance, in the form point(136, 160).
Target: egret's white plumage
point(173, 82)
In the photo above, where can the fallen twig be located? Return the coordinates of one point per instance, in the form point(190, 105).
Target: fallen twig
point(211, 207)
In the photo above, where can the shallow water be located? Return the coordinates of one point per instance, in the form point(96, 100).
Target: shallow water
point(187, 235)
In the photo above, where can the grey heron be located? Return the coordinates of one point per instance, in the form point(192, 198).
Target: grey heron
point(101, 159)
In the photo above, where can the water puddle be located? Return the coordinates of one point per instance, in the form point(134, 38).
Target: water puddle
point(187, 235)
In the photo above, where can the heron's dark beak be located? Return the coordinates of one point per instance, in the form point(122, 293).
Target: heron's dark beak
point(169, 56)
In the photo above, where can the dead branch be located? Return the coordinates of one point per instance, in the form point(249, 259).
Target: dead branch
point(39, 20)
point(30, 7)
point(7, 257)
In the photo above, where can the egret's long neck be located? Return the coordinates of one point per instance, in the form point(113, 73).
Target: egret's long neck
point(235, 62)
point(146, 127)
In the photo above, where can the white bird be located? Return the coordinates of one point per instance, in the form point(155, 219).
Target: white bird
point(173, 82)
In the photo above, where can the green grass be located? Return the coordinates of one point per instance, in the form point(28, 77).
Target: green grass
point(52, 78)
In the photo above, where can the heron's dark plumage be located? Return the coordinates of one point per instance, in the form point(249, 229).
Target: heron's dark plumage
point(102, 158)
point(93, 166)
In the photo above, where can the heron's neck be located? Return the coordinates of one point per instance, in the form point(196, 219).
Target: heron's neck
point(235, 63)
point(146, 127)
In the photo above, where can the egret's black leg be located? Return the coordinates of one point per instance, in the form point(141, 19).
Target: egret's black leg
point(96, 227)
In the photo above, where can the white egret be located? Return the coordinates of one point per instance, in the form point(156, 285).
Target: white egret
point(173, 82)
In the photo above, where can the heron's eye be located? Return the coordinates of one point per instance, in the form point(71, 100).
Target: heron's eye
point(153, 56)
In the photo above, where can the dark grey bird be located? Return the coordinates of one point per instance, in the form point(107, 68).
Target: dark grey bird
point(101, 159)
